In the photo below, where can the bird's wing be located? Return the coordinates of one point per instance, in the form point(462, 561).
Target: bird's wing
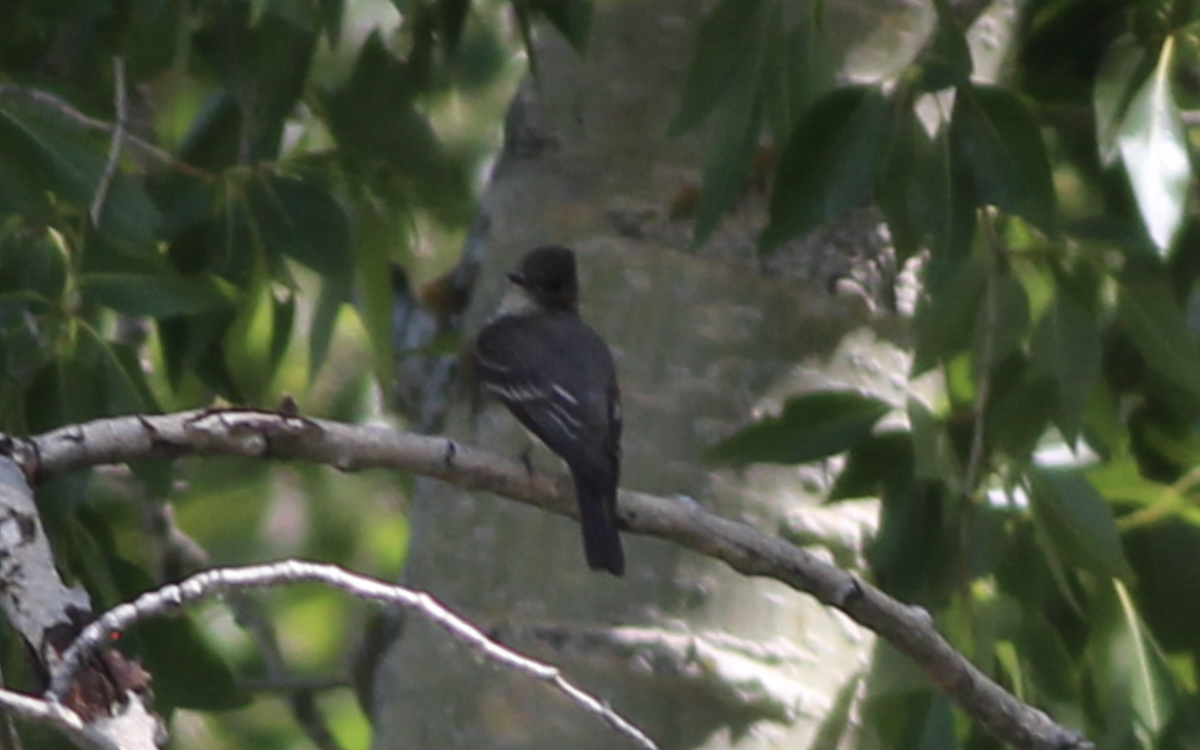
point(564, 421)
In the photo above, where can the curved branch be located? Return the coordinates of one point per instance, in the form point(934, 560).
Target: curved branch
point(224, 581)
point(746, 549)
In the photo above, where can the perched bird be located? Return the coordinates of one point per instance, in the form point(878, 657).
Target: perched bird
point(556, 376)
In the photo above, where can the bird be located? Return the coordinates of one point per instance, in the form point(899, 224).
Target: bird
point(556, 376)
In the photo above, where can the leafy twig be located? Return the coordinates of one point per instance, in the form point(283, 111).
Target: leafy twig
point(144, 149)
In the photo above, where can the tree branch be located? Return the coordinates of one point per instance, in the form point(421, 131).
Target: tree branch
point(125, 730)
point(750, 551)
point(106, 707)
point(56, 716)
point(121, 105)
point(224, 581)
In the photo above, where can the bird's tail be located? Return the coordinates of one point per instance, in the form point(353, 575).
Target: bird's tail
point(597, 498)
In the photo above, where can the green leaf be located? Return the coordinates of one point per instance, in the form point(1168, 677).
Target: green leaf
point(995, 136)
point(1164, 439)
point(1106, 429)
point(933, 453)
point(302, 221)
point(1020, 408)
point(1000, 324)
point(283, 316)
point(799, 69)
point(374, 290)
point(1121, 481)
point(938, 730)
point(193, 346)
point(34, 263)
point(946, 314)
point(211, 141)
point(572, 18)
point(525, 29)
point(829, 163)
point(63, 391)
point(320, 334)
point(188, 672)
point(45, 150)
point(262, 64)
point(1075, 519)
point(1154, 149)
point(156, 296)
point(124, 381)
point(482, 60)
point(943, 205)
point(21, 189)
point(1138, 675)
point(451, 18)
point(96, 378)
point(408, 161)
point(729, 37)
point(875, 462)
point(1123, 67)
point(910, 555)
point(1184, 726)
point(225, 245)
point(896, 191)
point(147, 50)
point(250, 343)
point(86, 541)
point(947, 61)
point(1148, 312)
point(732, 143)
point(1168, 575)
point(331, 13)
point(1046, 660)
point(65, 160)
point(810, 427)
point(1058, 569)
point(1066, 346)
point(129, 216)
point(1062, 44)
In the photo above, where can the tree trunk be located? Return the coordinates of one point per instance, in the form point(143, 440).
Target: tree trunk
point(693, 653)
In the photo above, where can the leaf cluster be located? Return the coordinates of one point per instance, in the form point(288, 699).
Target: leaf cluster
point(1041, 504)
point(177, 181)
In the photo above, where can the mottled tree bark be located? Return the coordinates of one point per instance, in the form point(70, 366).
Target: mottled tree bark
point(694, 653)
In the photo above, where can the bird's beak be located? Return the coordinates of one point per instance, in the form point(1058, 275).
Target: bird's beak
point(516, 277)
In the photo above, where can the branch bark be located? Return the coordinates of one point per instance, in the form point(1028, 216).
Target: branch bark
point(226, 581)
point(105, 706)
point(265, 434)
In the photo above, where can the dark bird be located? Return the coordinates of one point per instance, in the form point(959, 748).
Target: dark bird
point(556, 376)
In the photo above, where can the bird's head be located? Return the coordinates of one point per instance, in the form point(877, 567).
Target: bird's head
point(547, 276)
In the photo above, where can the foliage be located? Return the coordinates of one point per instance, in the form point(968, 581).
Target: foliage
point(1041, 507)
point(273, 153)
point(278, 153)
